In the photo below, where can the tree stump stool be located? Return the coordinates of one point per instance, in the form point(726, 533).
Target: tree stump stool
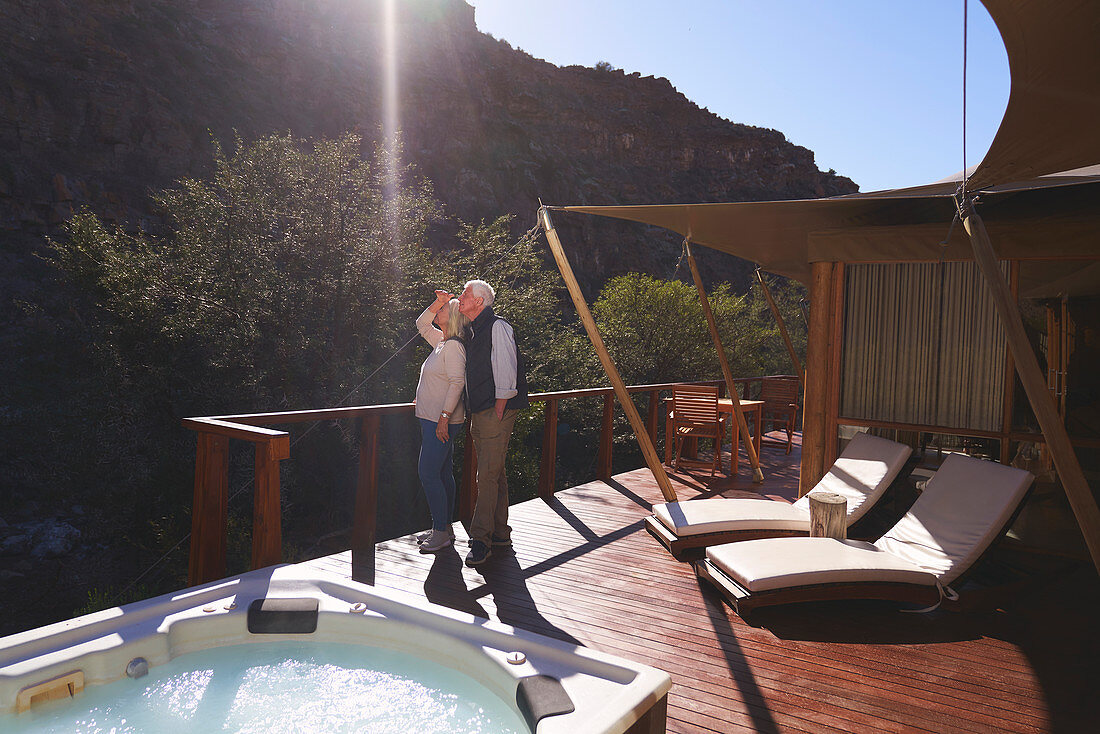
point(828, 515)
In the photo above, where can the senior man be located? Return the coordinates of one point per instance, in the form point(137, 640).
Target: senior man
point(496, 389)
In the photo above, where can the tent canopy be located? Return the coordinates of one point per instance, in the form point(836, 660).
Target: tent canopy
point(1054, 104)
point(1049, 126)
point(1054, 217)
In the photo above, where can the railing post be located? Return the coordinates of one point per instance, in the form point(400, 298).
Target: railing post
point(549, 450)
point(603, 461)
point(365, 527)
point(210, 510)
point(267, 515)
point(467, 494)
point(651, 415)
point(668, 439)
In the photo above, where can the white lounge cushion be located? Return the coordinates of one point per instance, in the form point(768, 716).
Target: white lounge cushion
point(867, 466)
point(721, 514)
point(962, 510)
point(863, 472)
point(779, 563)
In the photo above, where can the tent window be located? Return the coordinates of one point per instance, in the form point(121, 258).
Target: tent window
point(922, 345)
point(1060, 303)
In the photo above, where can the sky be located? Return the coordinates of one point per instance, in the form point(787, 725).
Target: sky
point(873, 87)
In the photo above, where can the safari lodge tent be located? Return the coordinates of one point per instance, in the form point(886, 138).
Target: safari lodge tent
point(916, 294)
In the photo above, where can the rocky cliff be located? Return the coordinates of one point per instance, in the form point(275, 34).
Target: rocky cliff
point(104, 100)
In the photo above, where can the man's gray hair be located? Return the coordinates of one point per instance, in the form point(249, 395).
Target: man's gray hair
point(482, 290)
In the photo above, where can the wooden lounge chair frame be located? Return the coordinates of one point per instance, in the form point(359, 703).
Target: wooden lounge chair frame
point(744, 601)
point(691, 547)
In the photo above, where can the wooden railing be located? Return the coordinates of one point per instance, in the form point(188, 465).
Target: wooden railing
point(210, 510)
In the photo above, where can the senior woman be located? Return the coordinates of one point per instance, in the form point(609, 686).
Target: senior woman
point(440, 412)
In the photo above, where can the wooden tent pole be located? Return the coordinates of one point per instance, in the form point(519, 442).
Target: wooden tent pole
point(742, 425)
point(648, 450)
point(782, 328)
point(1027, 366)
point(815, 396)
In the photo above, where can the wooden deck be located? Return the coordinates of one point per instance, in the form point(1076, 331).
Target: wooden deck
point(1017, 655)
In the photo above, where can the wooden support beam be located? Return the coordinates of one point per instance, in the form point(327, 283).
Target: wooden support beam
point(1027, 366)
point(727, 374)
point(549, 449)
point(1009, 398)
point(364, 531)
point(209, 510)
point(836, 354)
point(648, 451)
point(267, 514)
point(1065, 340)
point(815, 398)
point(1053, 351)
point(795, 361)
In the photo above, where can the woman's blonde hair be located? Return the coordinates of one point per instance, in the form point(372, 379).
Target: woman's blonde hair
point(456, 321)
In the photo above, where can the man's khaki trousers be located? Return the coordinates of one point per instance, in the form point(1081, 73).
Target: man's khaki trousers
point(491, 443)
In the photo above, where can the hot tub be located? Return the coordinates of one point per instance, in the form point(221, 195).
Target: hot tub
point(549, 685)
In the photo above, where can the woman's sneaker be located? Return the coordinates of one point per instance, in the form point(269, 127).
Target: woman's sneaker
point(420, 538)
point(438, 540)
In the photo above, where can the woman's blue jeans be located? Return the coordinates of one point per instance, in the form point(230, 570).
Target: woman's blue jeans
point(436, 469)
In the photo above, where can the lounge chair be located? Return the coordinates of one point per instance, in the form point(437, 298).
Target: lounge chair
point(861, 475)
point(967, 505)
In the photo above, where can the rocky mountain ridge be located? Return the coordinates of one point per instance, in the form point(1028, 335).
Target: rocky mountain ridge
point(105, 100)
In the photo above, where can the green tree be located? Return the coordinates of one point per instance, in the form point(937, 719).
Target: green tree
point(656, 332)
point(528, 294)
point(280, 281)
point(285, 280)
point(274, 285)
point(790, 300)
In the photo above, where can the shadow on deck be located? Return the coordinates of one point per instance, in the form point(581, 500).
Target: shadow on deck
point(1015, 656)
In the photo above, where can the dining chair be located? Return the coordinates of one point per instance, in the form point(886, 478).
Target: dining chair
point(780, 396)
point(695, 415)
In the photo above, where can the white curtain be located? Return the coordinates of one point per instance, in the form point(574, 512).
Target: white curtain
point(922, 344)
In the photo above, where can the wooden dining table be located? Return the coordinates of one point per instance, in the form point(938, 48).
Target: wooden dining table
point(755, 408)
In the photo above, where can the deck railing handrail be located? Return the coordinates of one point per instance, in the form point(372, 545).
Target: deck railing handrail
point(210, 510)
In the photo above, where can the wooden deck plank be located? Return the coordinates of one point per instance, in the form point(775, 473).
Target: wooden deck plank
point(777, 678)
point(584, 569)
point(977, 688)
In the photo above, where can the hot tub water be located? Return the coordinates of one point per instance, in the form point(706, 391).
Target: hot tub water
point(287, 686)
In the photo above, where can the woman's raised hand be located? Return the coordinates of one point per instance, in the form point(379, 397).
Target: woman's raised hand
point(442, 297)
